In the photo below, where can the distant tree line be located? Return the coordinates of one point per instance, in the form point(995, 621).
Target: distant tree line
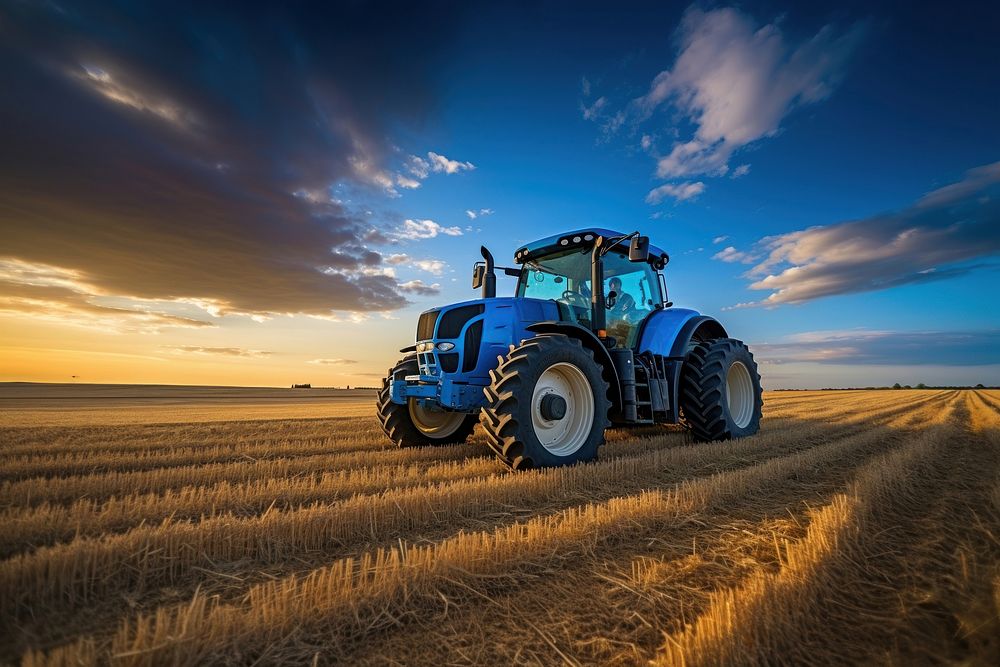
point(309, 386)
point(919, 385)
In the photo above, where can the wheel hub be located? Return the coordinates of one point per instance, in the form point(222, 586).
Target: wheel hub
point(553, 407)
point(563, 409)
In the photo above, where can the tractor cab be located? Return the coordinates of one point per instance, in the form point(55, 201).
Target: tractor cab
point(561, 268)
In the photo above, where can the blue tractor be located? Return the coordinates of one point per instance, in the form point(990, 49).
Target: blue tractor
point(589, 341)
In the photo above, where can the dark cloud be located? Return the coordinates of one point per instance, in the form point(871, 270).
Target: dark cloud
point(860, 346)
point(937, 237)
point(183, 153)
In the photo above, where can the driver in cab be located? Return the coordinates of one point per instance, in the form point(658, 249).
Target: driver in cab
point(623, 303)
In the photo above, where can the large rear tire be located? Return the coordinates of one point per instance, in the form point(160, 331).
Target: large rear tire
point(547, 404)
point(413, 425)
point(720, 393)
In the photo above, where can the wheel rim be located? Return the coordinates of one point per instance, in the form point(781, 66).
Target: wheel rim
point(434, 423)
point(565, 436)
point(739, 394)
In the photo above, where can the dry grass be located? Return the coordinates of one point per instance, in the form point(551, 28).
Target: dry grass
point(856, 527)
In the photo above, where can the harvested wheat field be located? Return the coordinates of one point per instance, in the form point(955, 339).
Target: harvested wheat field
point(856, 527)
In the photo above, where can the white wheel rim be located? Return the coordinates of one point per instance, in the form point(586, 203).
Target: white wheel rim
point(565, 436)
point(739, 394)
point(434, 423)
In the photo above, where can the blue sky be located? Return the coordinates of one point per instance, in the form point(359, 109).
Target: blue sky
point(826, 179)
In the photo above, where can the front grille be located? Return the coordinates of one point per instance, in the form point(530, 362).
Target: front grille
point(425, 325)
point(427, 363)
point(473, 337)
point(448, 362)
point(453, 320)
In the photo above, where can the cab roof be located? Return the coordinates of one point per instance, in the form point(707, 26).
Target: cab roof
point(581, 238)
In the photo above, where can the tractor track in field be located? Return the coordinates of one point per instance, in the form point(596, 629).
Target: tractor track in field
point(542, 544)
point(885, 577)
point(100, 486)
point(702, 460)
point(171, 550)
point(46, 441)
point(673, 563)
point(47, 524)
point(441, 561)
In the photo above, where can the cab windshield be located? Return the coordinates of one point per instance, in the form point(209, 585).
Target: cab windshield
point(564, 277)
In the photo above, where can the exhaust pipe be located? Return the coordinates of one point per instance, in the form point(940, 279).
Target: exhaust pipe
point(489, 276)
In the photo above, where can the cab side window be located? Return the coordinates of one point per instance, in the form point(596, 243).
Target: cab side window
point(636, 289)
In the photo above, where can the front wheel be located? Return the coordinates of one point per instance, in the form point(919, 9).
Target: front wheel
point(416, 424)
point(720, 392)
point(547, 404)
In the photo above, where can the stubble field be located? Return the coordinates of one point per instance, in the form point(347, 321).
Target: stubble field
point(856, 527)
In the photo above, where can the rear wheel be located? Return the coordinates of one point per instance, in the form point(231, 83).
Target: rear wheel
point(547, 404)
point(720, 392)
point(415, 423)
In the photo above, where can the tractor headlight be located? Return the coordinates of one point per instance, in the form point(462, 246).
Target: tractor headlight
point(424, 347)
point(444, 347)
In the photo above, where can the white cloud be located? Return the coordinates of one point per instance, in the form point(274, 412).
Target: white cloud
point(615, 122)
point(418, 166)
point(679, 191)
point(740, 171)
point(435, 266)
point(593, 111)
point(318, 196)
point(440, 163)
point(736, 82)
point(406, 182)
point(425, 229)
point(420, 287)
point(386, 271)
point(478, 214)
point(221, 351)
point(331, 362)
point(720, 239)
point(741, 305)
point(903, 348)
point(731, 254)
point(646, 142)
point(933, 239)
point(367, 170)
point(127, 93)
point(397, 259)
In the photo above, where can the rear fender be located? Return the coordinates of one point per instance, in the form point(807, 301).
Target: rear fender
point(592, 343)
point(669, 332)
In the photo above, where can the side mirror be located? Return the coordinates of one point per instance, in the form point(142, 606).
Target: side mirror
point(478, 273)
point(611, 299)
point(638, 250)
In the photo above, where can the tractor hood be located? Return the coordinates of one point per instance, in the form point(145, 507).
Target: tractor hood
point(464, 339)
